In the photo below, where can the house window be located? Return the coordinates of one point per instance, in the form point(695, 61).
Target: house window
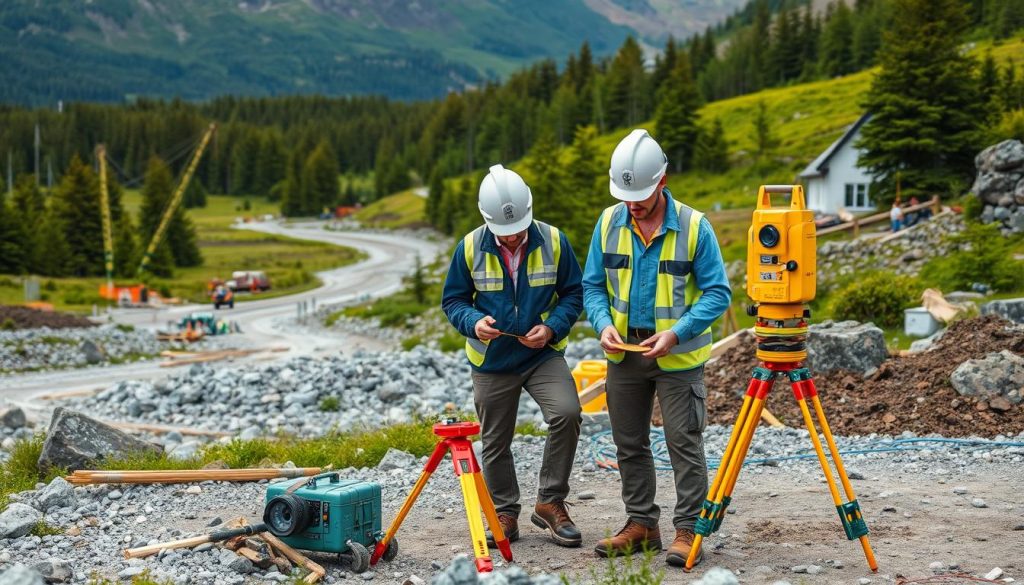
point(857, 196)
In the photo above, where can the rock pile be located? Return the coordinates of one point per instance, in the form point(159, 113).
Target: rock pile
point(298, 396)
point(45, 348)
point(905, 254)
point(1000, 185)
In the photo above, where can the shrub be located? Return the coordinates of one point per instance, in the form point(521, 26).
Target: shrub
point(877, 297)
point(8, 325)
point(330, 404)
point(451, 341)
point(985, 256)
point(410, 342)
point(972, 208)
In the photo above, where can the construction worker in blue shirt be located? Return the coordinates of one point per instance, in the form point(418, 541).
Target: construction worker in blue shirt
point(654, 277)
point(517, 276)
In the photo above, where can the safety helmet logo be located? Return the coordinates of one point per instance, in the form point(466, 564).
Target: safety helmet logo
point(627, 178)
point(509, 211)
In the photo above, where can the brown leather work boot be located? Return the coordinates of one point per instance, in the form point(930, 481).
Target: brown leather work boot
point(680, 549)
point(632, 538)
point(554, 518)
point(509, 525)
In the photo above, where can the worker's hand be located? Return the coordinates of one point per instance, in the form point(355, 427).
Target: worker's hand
point(660, 343)
point(537, 337)
point(483, 329)
point(609, 336)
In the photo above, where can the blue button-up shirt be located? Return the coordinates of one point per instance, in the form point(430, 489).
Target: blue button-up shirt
point(708, 270)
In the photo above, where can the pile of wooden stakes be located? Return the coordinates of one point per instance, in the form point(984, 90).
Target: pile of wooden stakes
point(260, 547)
point(92, 476)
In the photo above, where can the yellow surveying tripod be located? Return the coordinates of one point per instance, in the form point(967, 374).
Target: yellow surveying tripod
point(780, 280)
point(455, 439)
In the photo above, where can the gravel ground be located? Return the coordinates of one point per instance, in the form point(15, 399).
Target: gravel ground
point(43, 348)
point(929, 511)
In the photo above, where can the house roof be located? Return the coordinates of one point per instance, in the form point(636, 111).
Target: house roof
point(819, 167)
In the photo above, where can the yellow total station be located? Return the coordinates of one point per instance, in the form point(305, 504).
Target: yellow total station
point(781, 273)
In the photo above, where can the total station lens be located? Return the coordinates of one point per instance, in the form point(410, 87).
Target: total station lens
point(768, 236)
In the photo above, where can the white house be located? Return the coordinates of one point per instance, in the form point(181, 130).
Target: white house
point(834, 181)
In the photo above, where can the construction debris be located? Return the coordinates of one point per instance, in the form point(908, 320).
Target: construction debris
point(182, 358)
point(83, 476)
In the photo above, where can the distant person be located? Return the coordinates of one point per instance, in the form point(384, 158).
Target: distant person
point(513, 291)
point(896, 216)
point(654, 277)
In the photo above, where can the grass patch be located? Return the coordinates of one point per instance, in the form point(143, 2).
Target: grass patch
point(143, 579)
point(42, 529)
point(401, 210)
point(330, 404)
point(531, 429)
point(20, 471)
point(627, 570)
point(410, 342)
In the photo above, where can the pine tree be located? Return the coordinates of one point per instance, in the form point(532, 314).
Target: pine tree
point(320, 179)
point(543, 174)
point(435, 193)
point(28, 205)
point(675, 118)
point(76, 205)
point(988, 86)
point(664, 64)
point(712, 152)
point(585, 181)
point(55, 253)
point(178, 246)
point(195, 194)
point(270, 162)
point(12, 237)
point(1012, 89)
point(926, 111)
point(764, 135)
point(837, 42)
point(627, 87)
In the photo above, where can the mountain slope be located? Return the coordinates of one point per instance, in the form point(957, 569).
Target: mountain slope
point(109, 49)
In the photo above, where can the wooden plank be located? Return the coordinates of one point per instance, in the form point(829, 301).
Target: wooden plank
point(591, 392)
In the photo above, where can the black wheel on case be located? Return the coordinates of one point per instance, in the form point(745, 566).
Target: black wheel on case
point(358, 558)
point(391, 551)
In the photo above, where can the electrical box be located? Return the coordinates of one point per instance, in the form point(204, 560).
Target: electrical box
point(918, 322)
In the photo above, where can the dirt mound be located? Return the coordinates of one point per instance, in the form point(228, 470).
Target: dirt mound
point(26, 318)
point(906, 393)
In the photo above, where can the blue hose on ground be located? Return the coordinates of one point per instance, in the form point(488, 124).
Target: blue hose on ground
point(602, 449)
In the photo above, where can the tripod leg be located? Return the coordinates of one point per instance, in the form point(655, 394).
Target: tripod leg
point(719, 496)
point(466, 468)
point(428, 469)
point(849, 512)
point(500, 540)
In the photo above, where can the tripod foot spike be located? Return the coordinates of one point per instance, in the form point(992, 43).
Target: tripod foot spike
point(694, 548)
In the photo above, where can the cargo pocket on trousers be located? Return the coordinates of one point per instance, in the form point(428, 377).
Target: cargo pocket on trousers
point(699, 413)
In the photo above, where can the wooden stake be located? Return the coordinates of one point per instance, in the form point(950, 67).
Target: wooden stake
point(317, 572)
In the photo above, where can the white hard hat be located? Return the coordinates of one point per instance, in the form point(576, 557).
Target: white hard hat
point(638, 164)
point(505, 202)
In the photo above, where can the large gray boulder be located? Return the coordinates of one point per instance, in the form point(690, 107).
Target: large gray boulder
point(76, 441)
point(1005, 156)
point(18, 520)
point(847, 345)
point(1009, 309)
point(997, 374)
point(19, 574)
point(397, 459)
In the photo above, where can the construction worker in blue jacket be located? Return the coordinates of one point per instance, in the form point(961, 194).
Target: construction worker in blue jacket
point(654, 277)
point(513, 290)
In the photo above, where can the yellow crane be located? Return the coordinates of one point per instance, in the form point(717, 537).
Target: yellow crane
point(108, 238)
point(176, 198)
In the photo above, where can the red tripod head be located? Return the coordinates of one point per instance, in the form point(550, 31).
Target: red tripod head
point(452, 429)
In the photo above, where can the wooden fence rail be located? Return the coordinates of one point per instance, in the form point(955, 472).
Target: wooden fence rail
point(857, 222)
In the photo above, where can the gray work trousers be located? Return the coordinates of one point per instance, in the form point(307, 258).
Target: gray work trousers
point(496, 397)
point(631, 387)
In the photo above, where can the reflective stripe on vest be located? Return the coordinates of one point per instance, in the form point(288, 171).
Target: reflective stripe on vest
point(489, 276)
point(676, 292)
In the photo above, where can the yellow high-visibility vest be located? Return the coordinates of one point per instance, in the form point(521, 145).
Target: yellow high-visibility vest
point(489, 276)
point(676, 288)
